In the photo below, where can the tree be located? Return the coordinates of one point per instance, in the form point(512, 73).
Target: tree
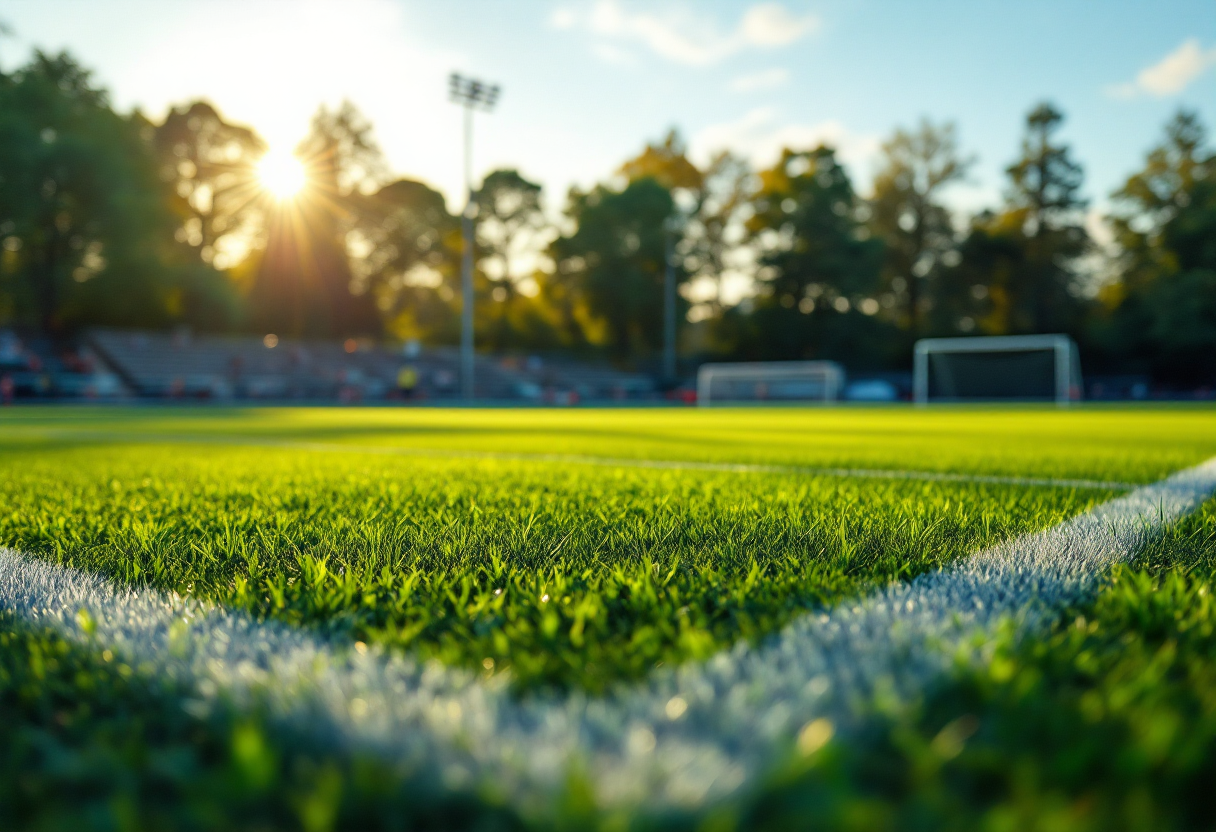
point(713, 204)
point(1045, 196)
point(212, 167)
point(609, 273)
point(714, 234)
point(407, 249)
point(512, 234)
point(1045, 181)
point(909, 217)
point(87, 222)
point(819, 267)
point(1160, 224)
point(1019, 269)
point(1162, 311)
point(611, 267)
point(666, 163)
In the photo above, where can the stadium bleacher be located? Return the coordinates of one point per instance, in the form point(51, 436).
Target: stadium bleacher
point(35, 367)
point(187, 366)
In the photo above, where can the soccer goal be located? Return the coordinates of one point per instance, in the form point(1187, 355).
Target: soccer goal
point(769, 381)
point(1014, 367)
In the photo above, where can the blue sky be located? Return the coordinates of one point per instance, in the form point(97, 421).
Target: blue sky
point(587, 82)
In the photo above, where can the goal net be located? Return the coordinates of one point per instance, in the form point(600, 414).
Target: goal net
point(769, 381)
point(1014, 367)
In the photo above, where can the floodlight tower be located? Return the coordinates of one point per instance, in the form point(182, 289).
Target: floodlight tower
point(471, 94)
point(671, 231)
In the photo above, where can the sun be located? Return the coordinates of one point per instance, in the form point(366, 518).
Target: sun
point(281, 174)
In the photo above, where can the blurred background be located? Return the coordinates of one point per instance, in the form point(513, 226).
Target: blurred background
point(264, 200)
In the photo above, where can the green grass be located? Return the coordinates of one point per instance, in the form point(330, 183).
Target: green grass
point(1107, 723)
point(559, 573)
point(90, 744)
point(604, 572)
point(1132, 443)
point(569, 575)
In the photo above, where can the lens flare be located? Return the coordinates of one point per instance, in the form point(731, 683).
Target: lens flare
point(281, 174)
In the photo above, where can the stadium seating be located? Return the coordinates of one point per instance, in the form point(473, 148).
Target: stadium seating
point(35, 367)
point(183, 365)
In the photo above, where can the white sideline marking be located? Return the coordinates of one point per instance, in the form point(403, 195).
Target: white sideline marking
point(742, 708)
point(583, 459)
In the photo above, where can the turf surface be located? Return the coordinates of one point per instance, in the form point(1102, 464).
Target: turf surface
point(558, 573)
point(1128, 443)
point(1107, 723)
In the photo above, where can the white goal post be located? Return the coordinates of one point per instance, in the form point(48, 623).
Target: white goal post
point(769, 381)
point(1017, 367)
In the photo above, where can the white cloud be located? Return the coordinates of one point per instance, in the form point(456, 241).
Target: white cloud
point(687, 38)
point(759, 80)
point(770, 24)
point(760, 137)
point(1171, 74)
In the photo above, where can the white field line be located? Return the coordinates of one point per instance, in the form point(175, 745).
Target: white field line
point(585, 459)
point(680, 738)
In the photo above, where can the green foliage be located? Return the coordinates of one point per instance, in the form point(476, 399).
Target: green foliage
point(819, 266)
point(666, 163)
point(510, 227)
point(807, 200)
point(613, 264)
point(908, 216)
point(1162, 314)
point(1019, 269)
point(87, 222)
point(714, 228)
point(410, 254)
point(212, 166)
point(108, 218)
point(411, 248)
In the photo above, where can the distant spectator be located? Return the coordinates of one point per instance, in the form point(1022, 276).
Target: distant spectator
point(407, 381)
point(6, 389)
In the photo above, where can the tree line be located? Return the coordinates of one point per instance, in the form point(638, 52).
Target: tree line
point(109, 218)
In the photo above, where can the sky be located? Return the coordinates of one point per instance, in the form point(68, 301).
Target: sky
point(586, 83)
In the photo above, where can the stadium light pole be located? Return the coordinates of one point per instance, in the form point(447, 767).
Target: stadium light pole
point(471, 94)
point(670, 229)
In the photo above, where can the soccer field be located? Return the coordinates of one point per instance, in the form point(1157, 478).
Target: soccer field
point(762, 618)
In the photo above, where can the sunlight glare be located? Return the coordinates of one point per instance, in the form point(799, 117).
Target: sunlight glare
point(282, 174)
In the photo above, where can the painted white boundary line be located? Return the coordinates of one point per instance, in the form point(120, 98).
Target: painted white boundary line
point(681, 737)
point(583, 459)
